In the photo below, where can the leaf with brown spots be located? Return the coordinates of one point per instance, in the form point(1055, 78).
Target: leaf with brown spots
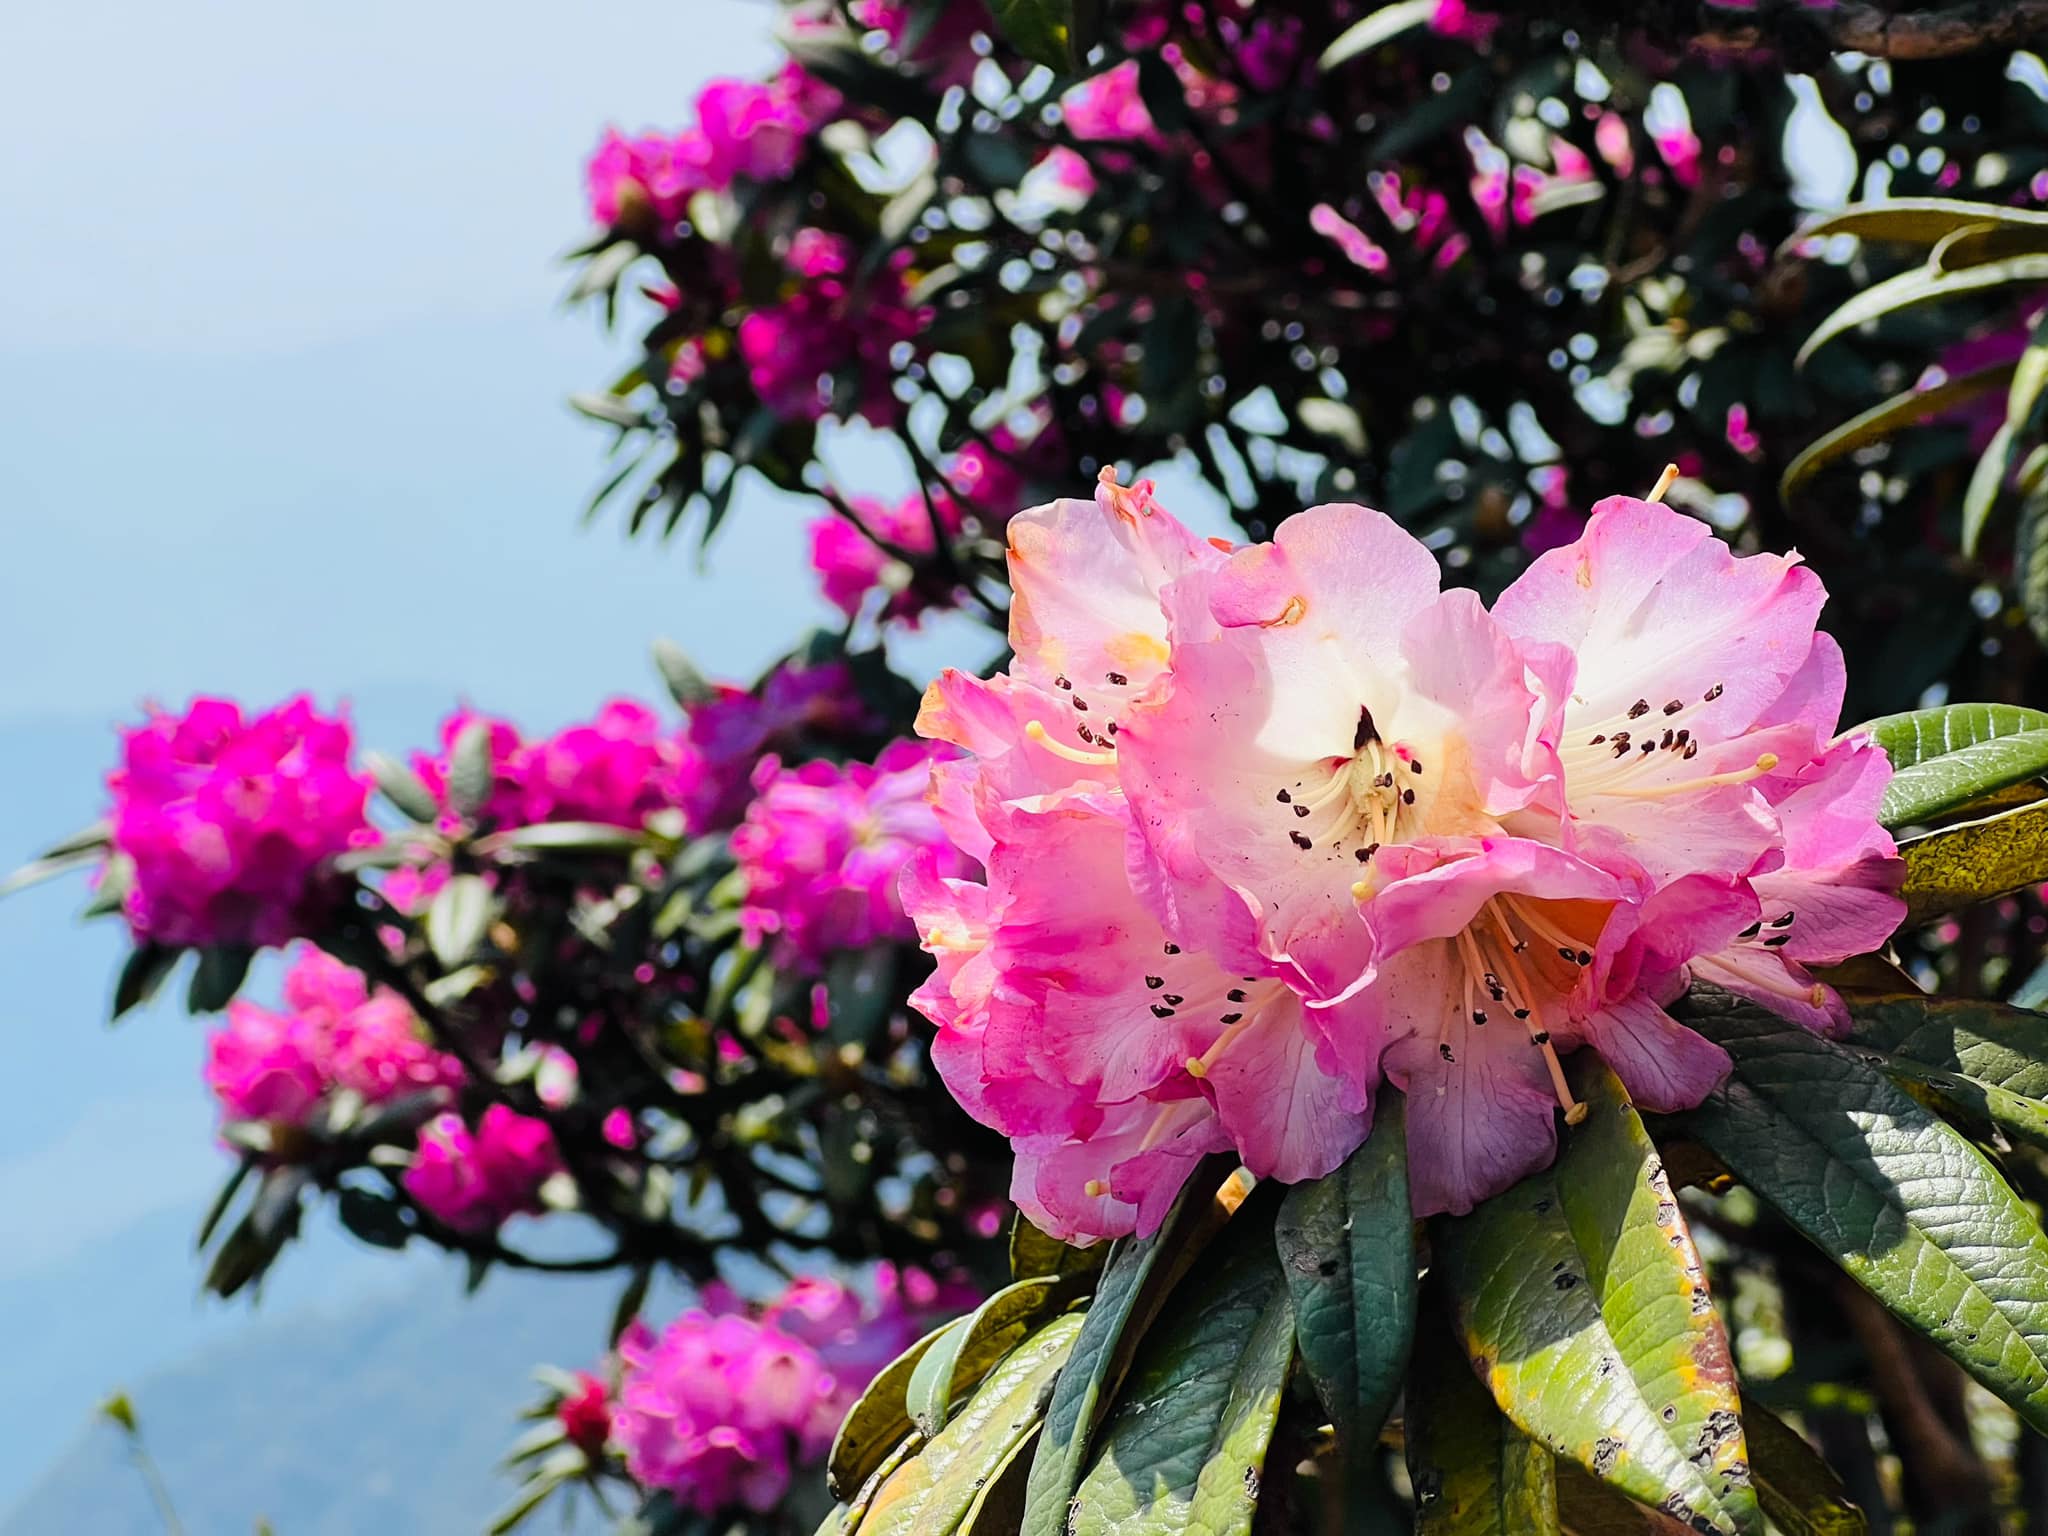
point(1581, 1292)
point(1474, 1473)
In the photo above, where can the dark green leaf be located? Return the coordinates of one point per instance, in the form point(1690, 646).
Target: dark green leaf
point(222, 1201)
point(1975, 861)
point(931, 1493)
point(1987, 1060)
point(1987, 479)
point(1906, 1206)
point(1185, 1449)
point(1800, 1491)
point(1134, 1286)
point(1922, 285)
point(1917, 220)
point(1884, 419)
point(630, 1301)
point(1474, 1473)
point(1041, 30)
point(377, 1219)
point(960, 1358)
point(1584, 1308)
point(142, 973)
point(218, 976)
point(1033, 1253)
point(1921, 735)
point(1588, 1507)
point(689, 687)
point(1347, 1246)
point(2030, 560)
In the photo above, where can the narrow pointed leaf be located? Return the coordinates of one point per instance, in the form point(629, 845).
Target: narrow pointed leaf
point(1185, 1450)
point(1987, 479)
point(957, 1360)
point(1975, 861)
point(1902, 1202)
point(1918, 220)
point(1922, 285)
point(1034, 1253)
point(142, 973)
point(1886, 418)
point(879, 1419)
point(459, 917)
point(1584, 1307)
point(1800, 1491)
point(1347, 1247)
point(2030, 561)
point(470, 775)
point(406, 790)
point(218, 976)
point(930, 1494)
point(1474, 1473)
point(1381, 26)
point(1134, 1286)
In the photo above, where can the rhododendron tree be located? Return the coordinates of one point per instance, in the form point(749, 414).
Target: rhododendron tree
point(1442, 901)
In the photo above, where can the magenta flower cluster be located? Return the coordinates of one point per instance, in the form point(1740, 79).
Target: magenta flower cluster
point(615, 770)
point(744, 129)
point(226, 823)
point(475, 1178)
point(823, 845)
point(332, 1034)
point(723, 1405)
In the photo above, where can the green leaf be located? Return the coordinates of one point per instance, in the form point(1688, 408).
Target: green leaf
point(1918, 220)
point(406, 790)
point(49, 867)
point(689, 687)
point(377, 1219)
point(1584, 1308)
point(1000, 1504)
point(1381, 26)
point(959, 1358)
point(930, 1494)
point(1944, 759)
point(1884, 419)
point(143, 973)
point(593, 837)
point(1987, 479)
point(631, 1299)
point(1588, 1507)
point(1347, 1247)
point(878, 1420)
point(1906, 1206)
point(1034, 1253)
point(2030, 560)
point(1990, 1060)
point(1474, 1473)
point(1922, 285)
point(1185, 1450)
point(1974, 861)
point(1799, 1490)
point(530, 1497)
point(1134, 1285)
point(1041, 30)
point(470, 773)
point(459, 918)
point(218, 976)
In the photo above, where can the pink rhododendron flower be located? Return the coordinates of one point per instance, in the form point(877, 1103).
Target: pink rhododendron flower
point(1109, 107)
point(648, 177)
point(229, 821)
point(832, 319)
point(823, 845)
point(586, 1415)
point(851, 565)
point(475, 1180)
point(616, 770)
point(730, 733)
point(1260, 827)
point(938, 39)
point(722, 1405)
point(752, 129)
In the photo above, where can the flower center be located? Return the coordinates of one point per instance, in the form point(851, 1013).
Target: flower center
point(1634, 752)
point(1368, 799)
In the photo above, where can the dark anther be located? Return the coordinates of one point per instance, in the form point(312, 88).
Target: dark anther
point(1366, 734)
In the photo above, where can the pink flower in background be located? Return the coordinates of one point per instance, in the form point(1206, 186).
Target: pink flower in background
point(1269, 53)
point(1109, 107)
point(1358, 247)
point(229, 821)
point(650, 176)
point(1555, 520)
point(1740, 435)
point(723, 1405)
point(753, 130)
point(851, 565)
point(1261, 826)
point(265, 1066)
point(832, 319)
point(730, 733)
point(938, 39)
point(744, 128)
point(1680, 148)
point(1454, 18)
point(1062, 178)
point(475, 1180)
point(616, 770)
point(822, 846)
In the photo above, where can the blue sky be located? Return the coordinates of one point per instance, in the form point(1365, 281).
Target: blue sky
point(282, 360)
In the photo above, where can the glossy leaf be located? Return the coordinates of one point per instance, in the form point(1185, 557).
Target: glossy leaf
point(1946, 758)
point(1133, 1287)
point(1474, 1473)
point(1922, 285)
point(459, 918)
point(1799, 1490)
point(930, 1494)
point(879, 1418)
point(1034, 1253)
point(218, 976)
point(470, 775)
point(1986, 1059)
point(1975, 861)
point(1906, 1206)
point(1987, 479)
point(958, 1359)
point(1381, 26)
point(2030, 560)
point(1583, 1305)
point(1347, 1247)
point(143, 973)
point(1185, 1449)
point(1886, 418)
point(1000, 1504)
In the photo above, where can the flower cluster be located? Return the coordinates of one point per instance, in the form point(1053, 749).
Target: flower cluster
point(744, 129)
point(722, 1405)
point(831, 322)
point(226, 823)
point(1263, 827)
point(852, 562)
point(332, 1034)
point(474, 1180)
point(823, 846)
point(616, 770)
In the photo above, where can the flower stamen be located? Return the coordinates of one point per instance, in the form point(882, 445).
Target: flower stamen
point(1036, 730)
